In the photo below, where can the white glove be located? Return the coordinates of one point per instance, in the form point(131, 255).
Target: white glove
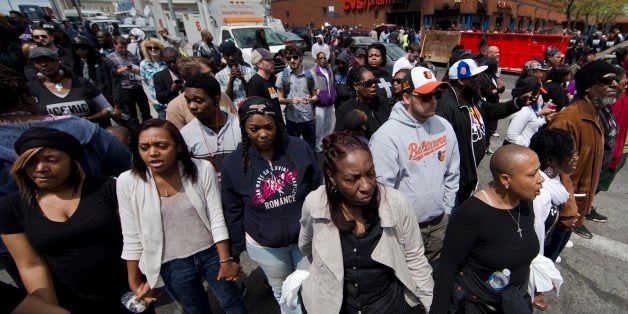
point(290, 287)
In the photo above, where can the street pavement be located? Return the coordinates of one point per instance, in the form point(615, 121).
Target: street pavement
point(595, 271)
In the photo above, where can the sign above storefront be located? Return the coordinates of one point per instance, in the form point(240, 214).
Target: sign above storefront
point(364, 4)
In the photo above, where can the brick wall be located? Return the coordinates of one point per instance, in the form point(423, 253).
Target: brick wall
point(300, 12)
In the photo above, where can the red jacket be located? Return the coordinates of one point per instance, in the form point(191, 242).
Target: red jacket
point(620, 111)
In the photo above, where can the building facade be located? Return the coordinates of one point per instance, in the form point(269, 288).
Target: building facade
point(438, 14)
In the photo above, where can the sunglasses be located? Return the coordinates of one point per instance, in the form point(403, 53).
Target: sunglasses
point(397, 80)
point(153, 48)
point(368, 83)
point(428, 97)
point(290, 58)
point(81, 48)
point(40, 36)
point(607, 80)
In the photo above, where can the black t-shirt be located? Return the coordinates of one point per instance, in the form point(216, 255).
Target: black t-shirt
point(259, 86)
point(485, 239)
point(76, 102)
point(83, 252)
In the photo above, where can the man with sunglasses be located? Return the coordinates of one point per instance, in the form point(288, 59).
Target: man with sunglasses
point(43, 38)
point(298, 91)
point(168, 83)
point(463, 107)
point(416, 152)
point(596, 84)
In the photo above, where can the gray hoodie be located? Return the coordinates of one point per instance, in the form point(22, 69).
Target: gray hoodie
point(419, 159)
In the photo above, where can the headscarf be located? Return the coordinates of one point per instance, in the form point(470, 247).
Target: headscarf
point(49, 138)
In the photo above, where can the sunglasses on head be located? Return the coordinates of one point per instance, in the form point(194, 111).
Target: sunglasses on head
point(153, 48)
point(437, 93)
point(368, 83)
point(290, 58)
point(40, 36)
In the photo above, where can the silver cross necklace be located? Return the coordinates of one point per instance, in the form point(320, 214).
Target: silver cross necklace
point(511, 216)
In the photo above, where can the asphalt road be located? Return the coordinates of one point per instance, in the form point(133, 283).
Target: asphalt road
point(595, 271)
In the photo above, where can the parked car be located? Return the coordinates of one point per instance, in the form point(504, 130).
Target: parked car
point(304, 33)
point(290, 38)
point(363, 40)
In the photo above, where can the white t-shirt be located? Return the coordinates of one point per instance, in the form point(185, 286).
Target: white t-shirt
point(402, 63)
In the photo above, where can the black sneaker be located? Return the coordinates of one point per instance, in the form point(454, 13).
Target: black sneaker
point(595, 216)
point(583, 232)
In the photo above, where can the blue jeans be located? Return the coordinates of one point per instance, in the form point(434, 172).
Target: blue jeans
point(183, 278)
point(557, 240)
point(277, 264)
point(305, 129)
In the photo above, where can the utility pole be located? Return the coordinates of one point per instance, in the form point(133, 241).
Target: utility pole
point(77, 5)
point(173, 17)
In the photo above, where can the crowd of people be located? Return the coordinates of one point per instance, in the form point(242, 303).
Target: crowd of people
point(308, 170)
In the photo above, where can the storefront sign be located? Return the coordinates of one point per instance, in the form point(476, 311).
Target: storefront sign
point(504, 5)
point(364, 4)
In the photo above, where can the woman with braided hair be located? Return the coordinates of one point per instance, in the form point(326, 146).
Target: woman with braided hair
point(264, 183)
point(362, 238)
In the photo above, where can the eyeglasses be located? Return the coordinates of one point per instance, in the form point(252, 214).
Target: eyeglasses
point(397, 80)
point(40, 36)
point(290, 58)
point(607, 80)
point(153, 48)
point(428, 97)
point(368, 83)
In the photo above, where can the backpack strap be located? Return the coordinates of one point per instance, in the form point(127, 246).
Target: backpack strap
point(285, 82)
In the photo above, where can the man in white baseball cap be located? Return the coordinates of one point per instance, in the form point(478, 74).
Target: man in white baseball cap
point(416, 152)
point(463, 107)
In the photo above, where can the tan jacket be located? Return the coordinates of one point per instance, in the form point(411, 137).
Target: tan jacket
point(581, 120)
point(399, 248)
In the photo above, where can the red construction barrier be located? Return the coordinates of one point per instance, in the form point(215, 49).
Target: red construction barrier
point(515, 49)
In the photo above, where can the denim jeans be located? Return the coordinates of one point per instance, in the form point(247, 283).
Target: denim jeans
point(305, 129)
point(183, 278)
point(557, 240)
point(277, 264)
point(324, 120)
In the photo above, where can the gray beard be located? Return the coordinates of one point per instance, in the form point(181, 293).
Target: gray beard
point(603, 102)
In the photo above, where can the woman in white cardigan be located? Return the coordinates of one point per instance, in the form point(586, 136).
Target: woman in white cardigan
point(172, 222)
point(529, 119)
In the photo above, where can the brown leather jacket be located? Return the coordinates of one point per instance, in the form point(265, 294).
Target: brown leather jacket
point(581, 120)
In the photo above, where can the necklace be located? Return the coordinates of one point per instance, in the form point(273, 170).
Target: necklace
point(511, 216)
point(59, 87)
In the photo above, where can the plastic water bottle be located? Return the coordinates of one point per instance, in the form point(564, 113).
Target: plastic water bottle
point(133, 305)
point(499, 279)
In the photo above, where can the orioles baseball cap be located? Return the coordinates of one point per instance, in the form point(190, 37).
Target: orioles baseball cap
point(421, 81)
point(465, 69)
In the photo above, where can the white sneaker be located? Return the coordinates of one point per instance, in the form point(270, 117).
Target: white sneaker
point(496, 134)
point(558, 260)
point(569, 244)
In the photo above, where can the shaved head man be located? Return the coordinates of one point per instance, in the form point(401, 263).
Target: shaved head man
point(493, 52)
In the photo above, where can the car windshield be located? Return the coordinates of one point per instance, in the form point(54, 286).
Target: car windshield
point(245, 37)
point(291, 36)
point(394, 52)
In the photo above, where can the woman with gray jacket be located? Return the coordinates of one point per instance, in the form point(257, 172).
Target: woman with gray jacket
point(362, 239)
